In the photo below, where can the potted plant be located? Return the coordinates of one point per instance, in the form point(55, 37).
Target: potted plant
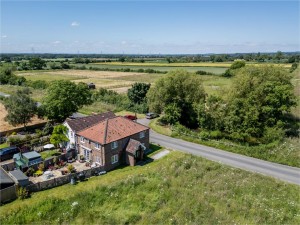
point(81, 158)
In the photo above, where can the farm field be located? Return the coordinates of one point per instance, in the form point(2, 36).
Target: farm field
point(179, 189)
point(117, 81)
point(37, 94)
point(165, 67)
point(6, 126)
point(198, 64)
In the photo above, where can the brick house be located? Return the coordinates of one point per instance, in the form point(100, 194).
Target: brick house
point(113, 141)
point(78, 124)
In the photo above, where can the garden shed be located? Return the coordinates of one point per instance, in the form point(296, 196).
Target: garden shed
point(19, 177)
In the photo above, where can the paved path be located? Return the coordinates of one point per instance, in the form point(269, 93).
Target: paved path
point(160, 154)
point(282, 172)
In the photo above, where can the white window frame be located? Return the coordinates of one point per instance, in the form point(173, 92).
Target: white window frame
point(114, 145)
point(97, 145)
point(98, 160)
point(87, 153)
point(114, 159)
point(142, 134)
point(82, 139)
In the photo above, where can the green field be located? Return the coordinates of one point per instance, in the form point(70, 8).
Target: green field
point(37, 94)
point(177, 189)
point(160, 67)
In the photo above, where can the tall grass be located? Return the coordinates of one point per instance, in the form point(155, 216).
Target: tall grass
point(178, 189)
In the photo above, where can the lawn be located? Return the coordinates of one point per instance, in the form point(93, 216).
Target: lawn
point(49, 153)
point(37, 94)
point(177, 189)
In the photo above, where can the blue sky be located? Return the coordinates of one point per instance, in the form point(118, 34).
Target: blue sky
point(145, 27)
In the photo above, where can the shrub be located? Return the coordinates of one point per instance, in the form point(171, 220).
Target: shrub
point(216, 134)
point(14, 140)
point(41, 167)
point(71, 168)
point(22, 193)
point(38, 173)
point(29, 172)
point(272, 134)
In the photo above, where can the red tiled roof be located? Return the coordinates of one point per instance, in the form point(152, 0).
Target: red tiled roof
point(132, 146)
point(112, 129)
point(85, 122)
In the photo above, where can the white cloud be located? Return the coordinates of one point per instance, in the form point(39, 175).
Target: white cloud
point(56, 42)
point(75, 24)
point(4, 36)
point(124, 42)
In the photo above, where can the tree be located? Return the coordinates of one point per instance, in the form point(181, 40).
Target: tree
point(237, 64)
point(234, 66)
point(259, 99)
point(122, 59)
point(59, 135)
point(172, 114)
point(181, 88)
point(37, 63)
point(20, 107)
point(137, 93)
point(63, 98)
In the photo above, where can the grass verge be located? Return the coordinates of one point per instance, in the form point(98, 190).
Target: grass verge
point(286, 152)
point(178, 189)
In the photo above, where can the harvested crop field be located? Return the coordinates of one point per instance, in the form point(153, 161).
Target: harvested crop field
point(5, 126)
point(118, 81)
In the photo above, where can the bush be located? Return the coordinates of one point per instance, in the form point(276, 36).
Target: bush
point(38, 84)
point(216, 134)
point(71, 168)
point(38, 173)
point(14, 140)
point(272, 134)
point(22, 193)
point(41, 167)
point(29, 172)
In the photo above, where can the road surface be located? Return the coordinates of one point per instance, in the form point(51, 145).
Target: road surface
point(282, 172)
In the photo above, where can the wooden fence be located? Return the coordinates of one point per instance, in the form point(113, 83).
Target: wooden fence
point(8, 194)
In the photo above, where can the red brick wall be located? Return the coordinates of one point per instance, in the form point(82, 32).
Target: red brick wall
point(107, 152)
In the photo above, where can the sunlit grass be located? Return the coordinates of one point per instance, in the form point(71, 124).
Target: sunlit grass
point(179, 189)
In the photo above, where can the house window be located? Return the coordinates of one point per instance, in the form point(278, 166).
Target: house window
point(86, 154)
point(114, 159)
point(98, 146)
point(142, 134)
point(98, 160)
point(114, 145)
point(81, 139)
point(72, 134)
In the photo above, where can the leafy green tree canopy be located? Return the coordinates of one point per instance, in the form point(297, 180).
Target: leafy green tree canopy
point(237, 64)
point(180, 88)
point(59, 135)
point(137, 93)
point(259, 98)
point(63, 98)
point(37, 63)
point(20, 107)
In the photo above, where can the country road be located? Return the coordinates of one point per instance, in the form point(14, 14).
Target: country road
point(282, 172)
